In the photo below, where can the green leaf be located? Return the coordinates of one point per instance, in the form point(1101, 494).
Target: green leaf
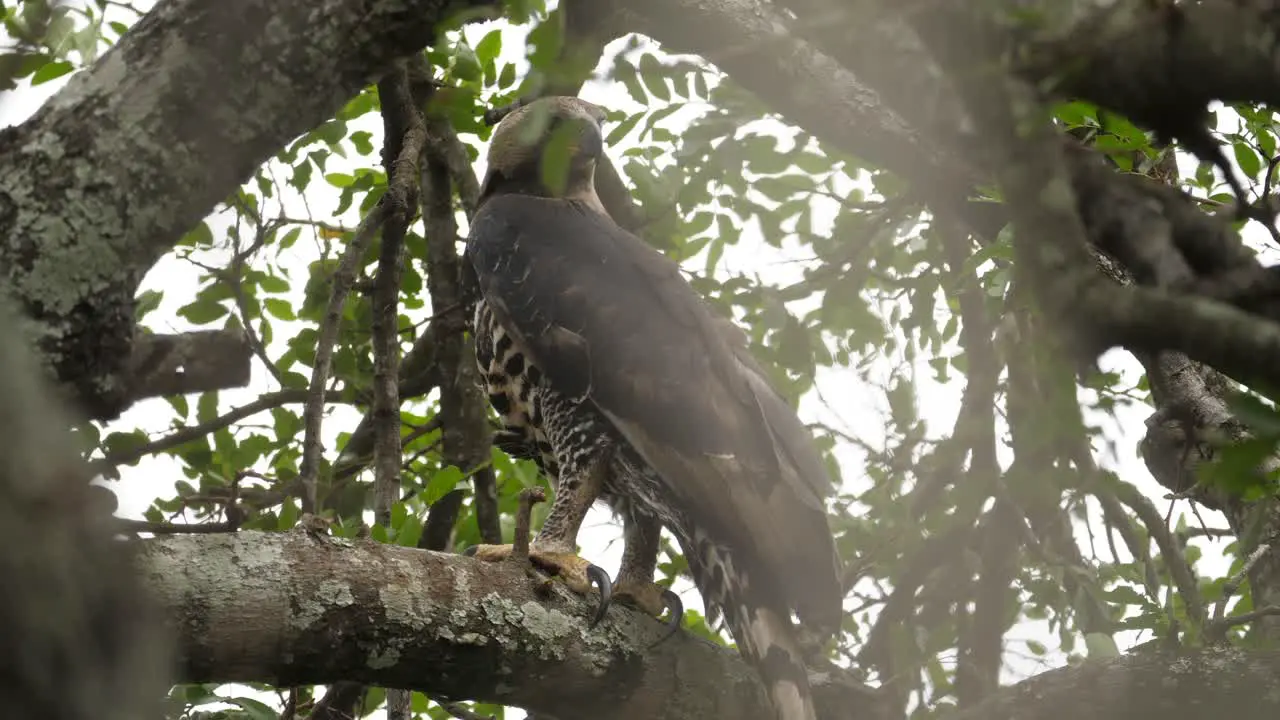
point(1250, 163)
point(207, 407)
point(466, 66)
point(507, 77)
point(362, 139)
point(653, 74)
point(331, 132)
point(146, 301)
point(281, 309)
point(254, 709)
point(444, 480)
point(202, 311)
point(51, 71)
point(1261, 418)
point(626, 74)
point(621, 129)
point(1100, 645)
point(409, 531)
point(490, 46)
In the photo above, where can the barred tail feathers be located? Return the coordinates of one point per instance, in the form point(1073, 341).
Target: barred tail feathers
point(766, 637)
point(768, 641)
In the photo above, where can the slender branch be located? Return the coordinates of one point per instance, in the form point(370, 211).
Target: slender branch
point(1216, 629)
point(233, 276)
point(341, 282)
point(1183, 576)
point(166, 528)
point(981, 645)
point(466, 436)
point(193, 432)
point(405, 133)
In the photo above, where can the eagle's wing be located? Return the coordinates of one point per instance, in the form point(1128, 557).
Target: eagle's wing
point(604, 314)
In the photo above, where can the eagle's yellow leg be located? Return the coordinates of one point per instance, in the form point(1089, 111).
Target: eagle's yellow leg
point(576, 572)
point(554, 552)
point(635, 585)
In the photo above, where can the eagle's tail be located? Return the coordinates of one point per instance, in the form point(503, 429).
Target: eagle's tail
point(766, 637)
point(768, 641)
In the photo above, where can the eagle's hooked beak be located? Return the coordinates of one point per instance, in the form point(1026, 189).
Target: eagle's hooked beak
point(591, 145)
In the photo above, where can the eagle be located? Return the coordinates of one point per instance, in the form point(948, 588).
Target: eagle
point(608, 370)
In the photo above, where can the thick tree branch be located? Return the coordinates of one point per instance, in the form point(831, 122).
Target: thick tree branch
point(753, 41)
point(404, 134)
point(167, 108)
point(457, 628)
point(187, 363)
point(295, 609)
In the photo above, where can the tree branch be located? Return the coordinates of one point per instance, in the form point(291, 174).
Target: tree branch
point(444, 624)
point(457, 628)
point(174, 81)
point(188, 363)
point(340, 285)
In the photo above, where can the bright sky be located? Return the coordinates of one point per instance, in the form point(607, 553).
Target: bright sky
point(863, 408)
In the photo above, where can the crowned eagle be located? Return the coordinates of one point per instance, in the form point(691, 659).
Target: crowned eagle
point(621, 382)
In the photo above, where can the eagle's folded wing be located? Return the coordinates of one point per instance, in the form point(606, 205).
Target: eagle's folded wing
point(605, 316)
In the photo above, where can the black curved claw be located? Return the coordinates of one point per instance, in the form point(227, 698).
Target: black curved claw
point(600, 579)
point(676, 609)
point(471, 551)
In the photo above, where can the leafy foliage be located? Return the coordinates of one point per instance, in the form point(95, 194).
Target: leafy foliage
point(871, 313)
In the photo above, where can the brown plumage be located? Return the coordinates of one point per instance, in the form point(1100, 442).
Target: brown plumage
point(640, 395)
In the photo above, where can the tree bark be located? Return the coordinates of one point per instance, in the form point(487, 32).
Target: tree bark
point(133, 152)
point(299, 609)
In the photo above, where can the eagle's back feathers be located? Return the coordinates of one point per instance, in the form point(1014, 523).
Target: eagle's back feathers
point(603, 314)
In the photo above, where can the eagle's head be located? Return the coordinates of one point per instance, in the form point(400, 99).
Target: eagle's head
point(547, 147)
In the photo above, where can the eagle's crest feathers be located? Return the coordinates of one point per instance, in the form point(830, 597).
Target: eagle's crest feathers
point(547, 147)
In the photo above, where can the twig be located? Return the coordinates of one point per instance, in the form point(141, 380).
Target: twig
point(348, 465)
point(290, 710)
point(493, 116)
point(341, 281)
point(167, 528)
point(231, 511)
point(463, 713)
point(1170, 551)
point(1220, 627)
point(1216, 630)
point(234, 277)
point(524, 520)
point(187, 434)
point(1191, 532)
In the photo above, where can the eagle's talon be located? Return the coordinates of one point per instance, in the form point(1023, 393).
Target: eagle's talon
point(576, 573)
point(600, 579)
point(653, 599)
point(675, 622)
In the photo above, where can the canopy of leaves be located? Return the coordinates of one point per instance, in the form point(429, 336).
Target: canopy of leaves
point(991, 509)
